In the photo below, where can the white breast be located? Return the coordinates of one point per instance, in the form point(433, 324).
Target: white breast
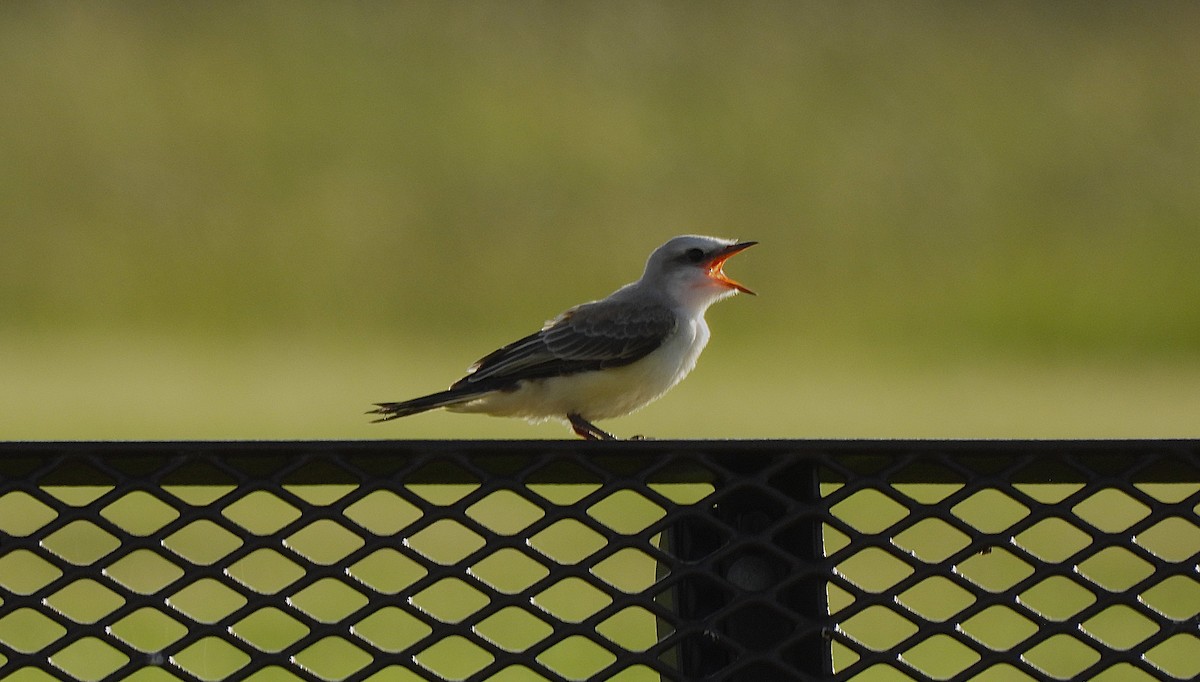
point(602, 394)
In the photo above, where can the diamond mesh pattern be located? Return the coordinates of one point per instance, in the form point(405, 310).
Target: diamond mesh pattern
point(1016, 561)
point(600, 561)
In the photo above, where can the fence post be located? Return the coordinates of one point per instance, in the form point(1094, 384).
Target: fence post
point(744, 619)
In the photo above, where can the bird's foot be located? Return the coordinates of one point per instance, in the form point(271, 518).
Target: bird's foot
point(587, 430)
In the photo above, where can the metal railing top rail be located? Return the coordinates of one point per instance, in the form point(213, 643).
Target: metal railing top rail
point(1021, 461)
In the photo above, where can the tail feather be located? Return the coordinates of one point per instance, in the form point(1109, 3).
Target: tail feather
point(433, 401)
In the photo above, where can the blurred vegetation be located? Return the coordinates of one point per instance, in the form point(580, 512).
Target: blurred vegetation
point(254, 220)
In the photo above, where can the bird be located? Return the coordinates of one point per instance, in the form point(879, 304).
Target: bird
point(602, 359)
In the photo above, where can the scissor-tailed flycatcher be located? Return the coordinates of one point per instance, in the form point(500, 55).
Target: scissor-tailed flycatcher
point(601, 359)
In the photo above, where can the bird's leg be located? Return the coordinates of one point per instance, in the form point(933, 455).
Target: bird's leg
point(587, 430)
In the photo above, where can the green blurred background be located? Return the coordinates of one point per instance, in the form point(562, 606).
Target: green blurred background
point(253, 220)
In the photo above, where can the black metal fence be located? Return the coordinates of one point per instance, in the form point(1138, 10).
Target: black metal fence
point(524, 561)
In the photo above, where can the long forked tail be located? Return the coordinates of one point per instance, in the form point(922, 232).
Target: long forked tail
point(433, 401)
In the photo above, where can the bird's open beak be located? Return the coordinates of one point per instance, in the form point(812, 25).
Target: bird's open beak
point(718, 275)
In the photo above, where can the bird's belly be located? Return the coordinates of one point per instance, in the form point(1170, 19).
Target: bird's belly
point(601, 394)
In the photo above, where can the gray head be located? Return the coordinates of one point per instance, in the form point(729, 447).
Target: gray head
point(688, 269)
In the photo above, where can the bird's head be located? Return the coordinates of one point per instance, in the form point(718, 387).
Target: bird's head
point(689, 269)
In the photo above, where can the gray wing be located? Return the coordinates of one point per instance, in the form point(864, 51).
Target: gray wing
point(585, 338)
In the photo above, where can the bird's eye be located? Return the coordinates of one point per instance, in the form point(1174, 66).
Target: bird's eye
point(694, 255)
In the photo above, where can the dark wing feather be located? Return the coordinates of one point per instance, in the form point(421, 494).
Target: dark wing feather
point(586, 338)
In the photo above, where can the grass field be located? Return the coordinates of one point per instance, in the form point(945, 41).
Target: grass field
point(105, 387)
